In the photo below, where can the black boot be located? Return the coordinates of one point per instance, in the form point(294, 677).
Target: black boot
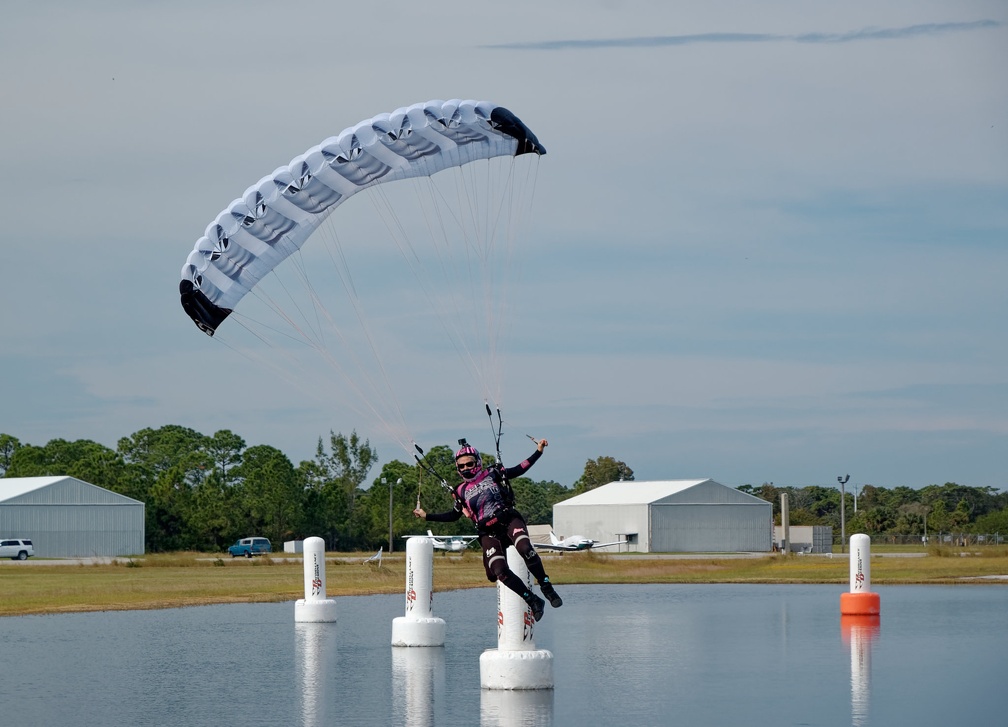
point(550, 592)
point(537, 605)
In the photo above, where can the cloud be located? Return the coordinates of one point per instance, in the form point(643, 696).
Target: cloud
point(662, 41)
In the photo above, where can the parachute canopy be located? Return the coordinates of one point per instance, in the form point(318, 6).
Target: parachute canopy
point(276, 215)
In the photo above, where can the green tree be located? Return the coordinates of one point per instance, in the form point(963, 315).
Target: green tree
point(159, 450)
point(535, 500)
point(960, 517)
point(83, 459)
point(326, 506)
point(165, 465)
point(216, 516)
point(348, 461)
point(433, 496)
point(270, 492)
point(8, 446)
point(994, 523)
point(225, 449)
point(336, 477)
point(909, 519)
point(373, 507)
point(168, 509)
point(877, 519)
point(601, 471)
point(938, 518)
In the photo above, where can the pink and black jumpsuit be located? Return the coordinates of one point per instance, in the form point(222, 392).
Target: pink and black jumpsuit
point(488, 501)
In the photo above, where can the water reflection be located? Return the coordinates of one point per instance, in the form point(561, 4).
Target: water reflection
point(858, 633)
point(415, 669)
point(516, 707)
point(637, 655)
point(316, 646)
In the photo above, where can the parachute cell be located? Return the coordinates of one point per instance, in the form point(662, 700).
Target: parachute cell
point(276, 215)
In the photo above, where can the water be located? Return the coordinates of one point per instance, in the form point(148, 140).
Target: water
point(623, 655)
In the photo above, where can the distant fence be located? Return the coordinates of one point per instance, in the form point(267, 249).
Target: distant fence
point(961, 540)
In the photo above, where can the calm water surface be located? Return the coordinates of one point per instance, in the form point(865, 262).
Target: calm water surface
point(622, 655)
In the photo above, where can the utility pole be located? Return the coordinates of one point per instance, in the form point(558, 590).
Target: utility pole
point(843, 524)
point(398, 482)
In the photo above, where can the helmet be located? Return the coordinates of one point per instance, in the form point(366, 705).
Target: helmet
point(468, 450)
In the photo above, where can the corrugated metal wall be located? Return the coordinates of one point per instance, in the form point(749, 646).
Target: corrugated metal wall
point(605, 523)
point(77, 531)
point(706, 528)
point(74, 519)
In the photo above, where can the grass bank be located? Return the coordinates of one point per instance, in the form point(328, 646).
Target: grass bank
point(192, 579)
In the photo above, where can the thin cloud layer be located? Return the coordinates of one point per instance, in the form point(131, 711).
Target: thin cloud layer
point(662, 41)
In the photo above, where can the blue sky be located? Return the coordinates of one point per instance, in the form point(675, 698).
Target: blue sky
point(769, 242)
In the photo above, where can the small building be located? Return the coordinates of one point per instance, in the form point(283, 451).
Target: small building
point(669, 516)
point(68, 518)
point(805, 538)
point(539, 534)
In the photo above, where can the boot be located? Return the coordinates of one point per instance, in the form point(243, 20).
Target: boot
point(547, 590)
point(537, 605)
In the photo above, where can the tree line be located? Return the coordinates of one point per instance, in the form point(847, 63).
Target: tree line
point(204, 492)
point(899, 511)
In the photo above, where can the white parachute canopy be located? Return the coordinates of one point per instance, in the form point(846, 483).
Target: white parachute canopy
point(277, 214)
point(452, 209)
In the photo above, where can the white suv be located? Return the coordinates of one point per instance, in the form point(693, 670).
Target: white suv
point(16, 549)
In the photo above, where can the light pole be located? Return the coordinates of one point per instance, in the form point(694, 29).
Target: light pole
point(843, 524)
point(385, 482)
point(398, 482)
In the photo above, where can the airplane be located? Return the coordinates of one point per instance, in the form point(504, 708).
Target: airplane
point(574, 542)
point(451, 543)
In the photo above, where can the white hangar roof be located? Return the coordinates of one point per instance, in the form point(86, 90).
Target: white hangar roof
point(57, 490)
point(633, 492)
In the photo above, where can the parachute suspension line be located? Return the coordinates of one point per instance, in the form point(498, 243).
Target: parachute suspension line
point(473, 338)
point(278, 309)
point(473, 215)
point(260, 330)
point(313, 335)
point(478, 248)
point(327, 355)
point(499, 315)
point(421, 460)
point(402, 240)
point(434, 219)
point(382, 389)
point(516, 202)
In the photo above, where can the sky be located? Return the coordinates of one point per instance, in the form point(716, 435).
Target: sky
point(769, 241)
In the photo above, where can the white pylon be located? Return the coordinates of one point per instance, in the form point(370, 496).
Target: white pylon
point(516, 663)
point(314, 607)
point(419, 627)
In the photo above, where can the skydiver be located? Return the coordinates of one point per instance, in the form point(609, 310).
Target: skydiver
point(486, 497)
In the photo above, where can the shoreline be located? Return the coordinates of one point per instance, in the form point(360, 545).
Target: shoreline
point(176, 580)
